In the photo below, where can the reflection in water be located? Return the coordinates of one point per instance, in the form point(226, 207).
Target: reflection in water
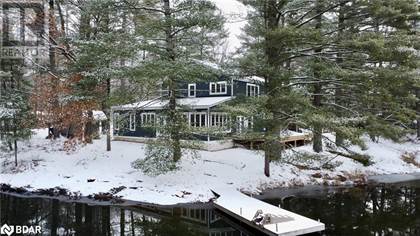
point(379, 211)
point(65, 218)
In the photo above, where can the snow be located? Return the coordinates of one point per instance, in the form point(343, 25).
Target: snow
point(252, 79)
point(45, 163)
point(283, 222)
point(99, 115)
point(6, 112)
point(235, 12)
point(193, 103)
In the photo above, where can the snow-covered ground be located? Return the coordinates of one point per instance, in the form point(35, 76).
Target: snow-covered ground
point(45, 164)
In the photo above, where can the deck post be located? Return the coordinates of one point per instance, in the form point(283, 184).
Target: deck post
point(208, 124)
point(111, 123)
point(100, 127)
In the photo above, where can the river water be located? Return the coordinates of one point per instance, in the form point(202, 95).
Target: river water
point(382, 209)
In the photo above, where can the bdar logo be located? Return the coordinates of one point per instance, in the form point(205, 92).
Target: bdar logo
point(7, 229)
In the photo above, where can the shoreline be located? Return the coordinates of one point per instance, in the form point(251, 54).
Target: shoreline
point(117, 201)
point(89, 170)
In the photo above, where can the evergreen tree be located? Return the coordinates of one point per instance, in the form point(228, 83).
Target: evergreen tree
point(338, 65)
point(16, 118)
point(103, 44)
point(178, 39)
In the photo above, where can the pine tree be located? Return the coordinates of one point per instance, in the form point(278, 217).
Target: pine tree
point(178, 39)
point(16, 117)
point(339, 66)
point(102, 44)
point(373, 69)
point(279, 36)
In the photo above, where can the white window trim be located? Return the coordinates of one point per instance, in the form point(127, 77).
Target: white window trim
point(244, 123)
point(255, 86)
point(198, 113)
point(132, 125)
point(145, 114)
point(189, 90)
point(117, 121)
point(215, 84)
point(224, 124)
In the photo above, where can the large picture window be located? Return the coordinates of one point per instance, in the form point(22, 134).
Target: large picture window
point(218, 88)
point(148, 119)
point(219, 119)
point(198, 119)
point(252, 90)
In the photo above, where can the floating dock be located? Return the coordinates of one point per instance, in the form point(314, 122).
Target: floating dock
point(282, 222)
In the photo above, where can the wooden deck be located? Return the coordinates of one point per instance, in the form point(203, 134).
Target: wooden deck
point(288, 141)
point(283, 223)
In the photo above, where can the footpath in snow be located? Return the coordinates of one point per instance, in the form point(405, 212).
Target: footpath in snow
point(90, 169)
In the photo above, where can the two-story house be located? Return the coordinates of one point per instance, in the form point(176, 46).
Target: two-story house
point(201, 105)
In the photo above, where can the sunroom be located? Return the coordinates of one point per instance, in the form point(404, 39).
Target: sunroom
point(138, 122)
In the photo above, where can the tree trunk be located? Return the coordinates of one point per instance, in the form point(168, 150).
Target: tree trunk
point(317, 129)
point(16, 153)
point(89, 128)
point(87, 226)
point(55, 216)
point(132, 223)
point(339, 139)
point(267, 164)
point(108, 114)
point(173, 113)
point(418, 113)
point(106, 221)
point(108, 139)
point(79, 217)
point(272, 145)
point(122, 222)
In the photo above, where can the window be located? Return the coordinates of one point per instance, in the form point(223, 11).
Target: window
point(218, 88)
point(116, 121)
point(191, 90)
point(198, 119)
point(252, 90)
point(244, 123)
point(132, 126)
point(147, 119)
point(219, 119)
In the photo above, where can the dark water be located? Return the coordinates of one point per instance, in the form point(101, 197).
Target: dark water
point(391, 209)
point(66, 218)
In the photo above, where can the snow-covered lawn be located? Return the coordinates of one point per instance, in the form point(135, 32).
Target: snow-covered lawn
point(44, 164)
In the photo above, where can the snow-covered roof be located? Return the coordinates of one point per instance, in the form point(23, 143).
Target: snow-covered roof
point(193, 103)
point(251, 79)
point(99, 115)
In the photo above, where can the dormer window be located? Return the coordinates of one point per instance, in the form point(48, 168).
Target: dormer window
point(217, 88)
point(192, 92)
point(252, 90)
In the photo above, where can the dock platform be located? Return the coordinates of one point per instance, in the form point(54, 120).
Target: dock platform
point(283, 222)
point(293, 140)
